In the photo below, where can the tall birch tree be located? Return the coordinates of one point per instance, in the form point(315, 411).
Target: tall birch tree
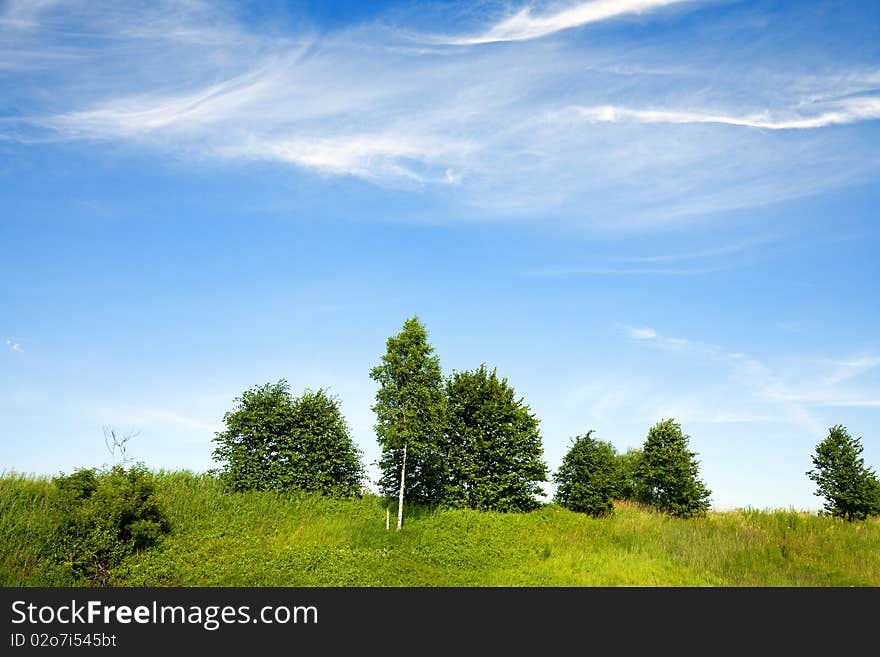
point(410, 413)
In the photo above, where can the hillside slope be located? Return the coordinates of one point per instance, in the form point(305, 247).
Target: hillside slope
point(265, 539)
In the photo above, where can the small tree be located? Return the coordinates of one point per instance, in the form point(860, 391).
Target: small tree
point(493, 445)
point(275, 442)
point(850, 489)
point(410, 412)
point(668, 473)
point(587, 480)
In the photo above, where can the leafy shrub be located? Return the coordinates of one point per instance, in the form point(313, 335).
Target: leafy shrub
point(101, 517)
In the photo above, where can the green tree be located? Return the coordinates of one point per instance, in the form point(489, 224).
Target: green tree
point(275, 442)
point(493, 445)
point(627, 463)
point(850, 489)
point(588, 477)
point(668, 473)
point(410, 411)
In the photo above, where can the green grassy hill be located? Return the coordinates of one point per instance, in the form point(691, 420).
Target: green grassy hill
point(265, 539)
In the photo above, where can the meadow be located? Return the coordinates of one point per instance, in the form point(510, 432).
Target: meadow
point(271, 539)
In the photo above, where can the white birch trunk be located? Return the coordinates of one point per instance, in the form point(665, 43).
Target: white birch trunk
point(400, 498)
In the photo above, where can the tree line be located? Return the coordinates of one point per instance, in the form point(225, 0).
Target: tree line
point(468, 441)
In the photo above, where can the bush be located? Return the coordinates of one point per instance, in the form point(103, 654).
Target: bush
point(101, 517)
point(587, 480)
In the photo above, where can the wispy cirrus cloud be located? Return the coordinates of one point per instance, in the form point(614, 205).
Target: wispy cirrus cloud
point(731, 249)
point(850, 110)
point(762, 392)
point(525, 25)
point(419, 158)
point(692, 262)
point(844, 370)
point(139, 115)
point(632, 145)
point(147, 416)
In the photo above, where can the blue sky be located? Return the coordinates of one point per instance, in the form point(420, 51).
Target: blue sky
point(635, 210)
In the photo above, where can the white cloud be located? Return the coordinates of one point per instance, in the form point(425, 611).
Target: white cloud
point(14, 346)
point(482, 127)
point(131, 116)
point(641, 333)
point(845, 111)
point(366, 155)
point(523, 25)
point(650, 336)
point(844, 370)
point(764, 394)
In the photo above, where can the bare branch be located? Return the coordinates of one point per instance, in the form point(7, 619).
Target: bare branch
point(117, 442)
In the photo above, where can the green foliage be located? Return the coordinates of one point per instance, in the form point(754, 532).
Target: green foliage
point(588, 478)
point(410, 410)
point(627, 463)
point(275, 442)
point(25, 526)
point(667, 473)
point(265, 538)
point(850, 489)
point(493, 445)
point(100, 518)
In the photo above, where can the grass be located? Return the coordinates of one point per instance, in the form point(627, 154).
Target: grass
point(268, 539)
point(23, 527)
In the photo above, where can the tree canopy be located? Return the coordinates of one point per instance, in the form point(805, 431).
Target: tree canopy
point(275, 442)
point(492, 443)
point(628, 487)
